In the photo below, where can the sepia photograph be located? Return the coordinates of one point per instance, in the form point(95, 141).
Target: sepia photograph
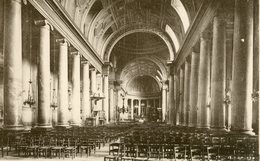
point(129, 80)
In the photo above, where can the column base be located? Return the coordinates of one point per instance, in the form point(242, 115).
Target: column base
point(62, 126)
point(42, 128)
point(13, 127)
point(204, 127)
point(191, 125)
point(218, 130)
point(75, 124)
point(242, 132)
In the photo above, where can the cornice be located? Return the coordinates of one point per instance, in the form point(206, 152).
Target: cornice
point(59, 18)
point(202, 19)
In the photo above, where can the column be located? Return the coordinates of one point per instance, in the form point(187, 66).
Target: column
point(193, 89)
point(93, 87)
point(63, 100)
point(111, 103)
point(180, 108)
point(218, 74)
point(86, 107)
point(164, 99)
point(202, 113)
point(93, 80)
point(106, 93)
point(116, 101)
point(171, 94)
point(186, 93)
point(139, 107)
point(177, 96)
point(44, 75)
point(75, 100)
point(242, 84)
point(132, 109)
point(13, 65)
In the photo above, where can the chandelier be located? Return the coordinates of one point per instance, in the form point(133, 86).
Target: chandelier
point(30, 100)
point(54, 101)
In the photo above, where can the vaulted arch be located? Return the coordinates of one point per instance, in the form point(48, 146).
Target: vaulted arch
point(116, 36)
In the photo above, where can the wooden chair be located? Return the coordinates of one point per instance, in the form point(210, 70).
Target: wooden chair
point(4, 145)
point(57, 148)
point(44, 148)
point(71, 148)
point(114, 152)
point(129, 152)
point(84, 146)
point(22, 145)
point(32, 149)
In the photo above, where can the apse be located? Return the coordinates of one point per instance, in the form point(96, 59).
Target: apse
point(142, 86)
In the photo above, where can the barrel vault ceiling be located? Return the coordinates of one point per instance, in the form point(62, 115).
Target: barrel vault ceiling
point(137, 36)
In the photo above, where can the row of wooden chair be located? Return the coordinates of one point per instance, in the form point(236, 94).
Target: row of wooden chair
point(152, 142)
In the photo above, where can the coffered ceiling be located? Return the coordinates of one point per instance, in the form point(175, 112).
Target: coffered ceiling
point(133, 30)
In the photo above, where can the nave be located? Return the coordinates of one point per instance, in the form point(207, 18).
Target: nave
point(151, 79)
point(129, 142)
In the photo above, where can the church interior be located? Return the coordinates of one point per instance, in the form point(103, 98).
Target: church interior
point(129, 80)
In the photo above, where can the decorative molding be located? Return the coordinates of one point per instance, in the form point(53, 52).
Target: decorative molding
point(204, 16)
point(61, 21)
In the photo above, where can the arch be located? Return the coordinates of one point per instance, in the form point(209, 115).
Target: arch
point(182, 12)
point(116, 36)
point(130, 81)
point(152, 59)
point(85, 14)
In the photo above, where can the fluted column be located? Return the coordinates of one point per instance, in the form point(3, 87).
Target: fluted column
point(44, 119)
point(202, 113)
point(13, 65)
point(106, 93)
point(193, 89)
point(218, 74)
point(164, 99)
point(242, 78)
point(63, 102)
point(86, 107)
point(75, 101)
point(186, 93)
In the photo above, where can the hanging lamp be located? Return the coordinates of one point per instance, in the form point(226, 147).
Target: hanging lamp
point(54, 101)
point(30, 100)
